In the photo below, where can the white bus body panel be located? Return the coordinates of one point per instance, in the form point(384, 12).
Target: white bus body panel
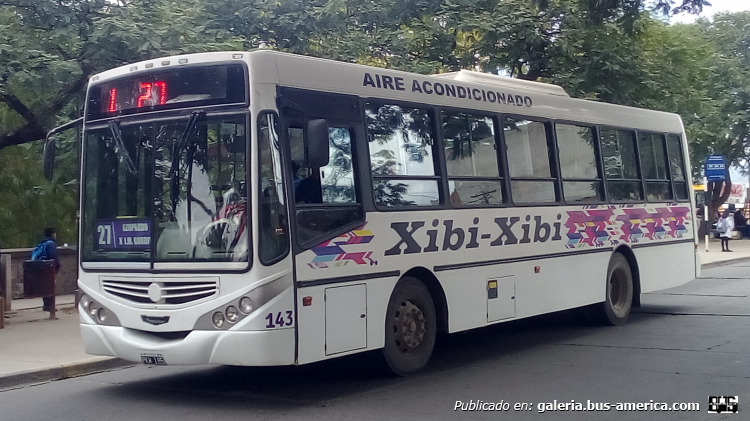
point(664, 267)
point(248, 342)
point(558, 260)
point(567, 269)
point(199, 347)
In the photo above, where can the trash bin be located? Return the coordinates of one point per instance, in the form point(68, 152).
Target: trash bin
point(38, 278)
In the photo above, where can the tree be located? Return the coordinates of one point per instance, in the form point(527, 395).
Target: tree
point(608, 50)
point(49, 50)
point(726, 131)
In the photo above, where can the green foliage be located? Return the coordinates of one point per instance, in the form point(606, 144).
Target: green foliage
point(728, 84)
point(29, 203)
point(612, 51)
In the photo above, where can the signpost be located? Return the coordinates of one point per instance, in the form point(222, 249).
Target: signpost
point(714, 170)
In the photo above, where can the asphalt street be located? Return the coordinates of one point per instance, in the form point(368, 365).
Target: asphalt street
point(682, 346)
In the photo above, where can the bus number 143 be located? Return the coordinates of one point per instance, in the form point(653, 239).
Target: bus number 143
point(280, 320)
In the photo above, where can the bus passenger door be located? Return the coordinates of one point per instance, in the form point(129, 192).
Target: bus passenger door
point(325, 202)
point(326, 199)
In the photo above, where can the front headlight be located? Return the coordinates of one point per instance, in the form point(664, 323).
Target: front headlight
point(218, 320)
point(246, 305)
point(232, 314)
point(102, 315)
point(98, 312)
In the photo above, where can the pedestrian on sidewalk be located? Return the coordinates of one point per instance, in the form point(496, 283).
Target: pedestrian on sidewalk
point(725, 227)
point(47, 250)
point(740, 224)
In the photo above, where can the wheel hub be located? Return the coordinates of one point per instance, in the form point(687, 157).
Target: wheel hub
point(409, 327)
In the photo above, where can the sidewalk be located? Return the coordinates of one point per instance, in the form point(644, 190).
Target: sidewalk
point(715, 257)
point(34, 349)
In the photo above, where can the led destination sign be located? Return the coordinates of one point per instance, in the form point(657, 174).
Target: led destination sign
point(162, 89)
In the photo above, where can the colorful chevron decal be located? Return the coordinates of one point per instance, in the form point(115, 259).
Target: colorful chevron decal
point(596, 226)
point(334, 252)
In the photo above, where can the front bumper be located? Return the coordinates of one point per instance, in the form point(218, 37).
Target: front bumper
point(254, 348)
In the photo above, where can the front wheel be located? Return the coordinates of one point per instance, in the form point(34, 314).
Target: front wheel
point(410, 327)
point(619, 299)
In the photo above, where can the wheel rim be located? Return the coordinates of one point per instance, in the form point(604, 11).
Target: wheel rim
point(618, 293)
point(409, 327)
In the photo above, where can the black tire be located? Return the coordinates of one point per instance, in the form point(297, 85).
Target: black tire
point(618, 301)
point(410, 327)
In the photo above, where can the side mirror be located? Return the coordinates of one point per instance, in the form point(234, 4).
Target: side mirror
point(49, 146)
point(316, 147)
point(49, 158)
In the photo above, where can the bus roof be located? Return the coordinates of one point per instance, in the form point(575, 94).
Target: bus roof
point(481, 91)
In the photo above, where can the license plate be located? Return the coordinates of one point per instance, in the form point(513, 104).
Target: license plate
point(153, 359)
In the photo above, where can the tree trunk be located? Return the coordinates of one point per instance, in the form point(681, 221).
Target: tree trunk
point(717, 193)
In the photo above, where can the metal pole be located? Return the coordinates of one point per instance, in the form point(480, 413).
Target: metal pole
point(707, 222)
point(5, 262)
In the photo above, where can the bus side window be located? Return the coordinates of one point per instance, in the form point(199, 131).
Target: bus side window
point(326, 197)
point(677, 166)
point(401, 143)
point(531, 178)
point(471, 160)
point(654, 165)
point(620, 165)
point(582, 181)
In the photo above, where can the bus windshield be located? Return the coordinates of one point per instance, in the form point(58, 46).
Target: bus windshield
point(166, 191)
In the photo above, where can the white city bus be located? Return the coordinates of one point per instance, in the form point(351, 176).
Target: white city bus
point(262, 208)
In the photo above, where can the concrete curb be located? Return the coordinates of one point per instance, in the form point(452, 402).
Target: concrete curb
point(724, 262)
point(62, 371)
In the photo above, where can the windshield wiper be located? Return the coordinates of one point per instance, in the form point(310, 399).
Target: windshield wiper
point(181, 146)
point(123, 153)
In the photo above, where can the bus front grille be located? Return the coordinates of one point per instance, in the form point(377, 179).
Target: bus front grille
point(159, 291)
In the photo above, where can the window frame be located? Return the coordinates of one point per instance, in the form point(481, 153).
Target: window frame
point(164, 266)
point(284, 184)
point(603, 197)
point(682, 167)
point(644, 180)
point(353, 119)
point(504, 177)
point(500, 160)
point(552, 156)
point(298, 244)
point(638, 169)
point(438, 159)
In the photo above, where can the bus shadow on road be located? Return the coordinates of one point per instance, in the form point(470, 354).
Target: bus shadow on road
point(319, 383)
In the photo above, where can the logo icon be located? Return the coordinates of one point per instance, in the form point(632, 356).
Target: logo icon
point(155, 292)
point(156, 321)
point(722, 404)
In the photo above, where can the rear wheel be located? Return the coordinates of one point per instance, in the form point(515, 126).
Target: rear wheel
point(410, 327)
point(619, 299)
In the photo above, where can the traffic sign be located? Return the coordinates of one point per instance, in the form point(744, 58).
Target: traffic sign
point(716, 168)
